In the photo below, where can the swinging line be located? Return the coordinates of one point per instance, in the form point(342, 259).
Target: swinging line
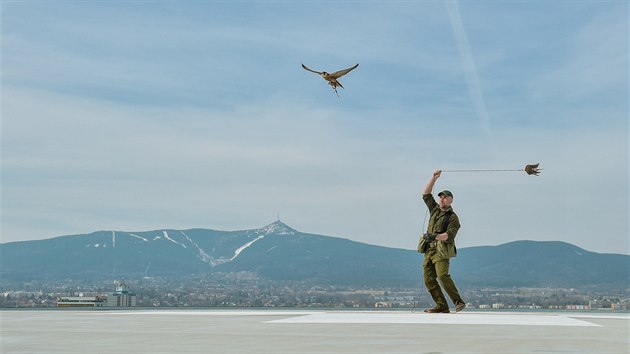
point(482, 170)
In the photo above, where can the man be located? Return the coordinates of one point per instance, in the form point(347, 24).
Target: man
point(441, 232)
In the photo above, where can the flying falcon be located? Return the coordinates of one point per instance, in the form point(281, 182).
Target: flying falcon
point(332, 78)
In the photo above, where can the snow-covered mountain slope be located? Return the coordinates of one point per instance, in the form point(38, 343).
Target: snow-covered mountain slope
point(279, 252)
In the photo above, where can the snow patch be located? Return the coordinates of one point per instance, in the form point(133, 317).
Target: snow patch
point(170, 239)
point(217, 261)
point(146, 271)
point(240, 249)
point(278, 228)
point(140, 237)
point(203, 256)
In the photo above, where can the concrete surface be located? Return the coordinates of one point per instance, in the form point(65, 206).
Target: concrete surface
point(294, 331)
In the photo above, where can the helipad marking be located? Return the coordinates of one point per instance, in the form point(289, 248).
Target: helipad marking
point(202, 313)
point(514, 319)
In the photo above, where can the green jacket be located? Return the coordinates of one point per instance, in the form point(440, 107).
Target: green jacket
point(446, 249)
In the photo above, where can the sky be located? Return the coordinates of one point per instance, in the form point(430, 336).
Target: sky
point(141, 115)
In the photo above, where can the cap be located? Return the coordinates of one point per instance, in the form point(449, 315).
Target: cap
point(446, 193)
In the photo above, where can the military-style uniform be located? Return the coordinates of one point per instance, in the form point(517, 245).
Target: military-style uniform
point(436, 259)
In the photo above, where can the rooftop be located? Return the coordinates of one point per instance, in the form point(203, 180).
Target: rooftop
point(297, 331)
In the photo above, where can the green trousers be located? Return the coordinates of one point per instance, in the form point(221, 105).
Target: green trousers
point(435, 267)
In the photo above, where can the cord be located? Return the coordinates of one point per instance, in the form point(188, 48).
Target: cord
point(416, 304)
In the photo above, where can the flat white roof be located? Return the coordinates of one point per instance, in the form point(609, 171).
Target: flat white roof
point(291, 331)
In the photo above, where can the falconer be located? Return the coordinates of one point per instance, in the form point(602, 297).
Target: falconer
point(438, 247)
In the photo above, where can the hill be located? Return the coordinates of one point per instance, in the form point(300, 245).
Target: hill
point(279, 252)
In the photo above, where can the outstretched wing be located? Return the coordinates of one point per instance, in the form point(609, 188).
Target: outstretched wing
point(340, 73)
point(311, 70)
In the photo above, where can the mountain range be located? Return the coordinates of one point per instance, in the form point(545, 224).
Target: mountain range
point(278, 252)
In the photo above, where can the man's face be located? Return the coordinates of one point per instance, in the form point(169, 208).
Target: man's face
point(445, 201)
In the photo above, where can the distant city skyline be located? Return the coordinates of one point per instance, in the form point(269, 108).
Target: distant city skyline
point(137, 116)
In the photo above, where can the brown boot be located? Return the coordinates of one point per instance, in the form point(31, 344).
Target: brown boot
point(438, 310)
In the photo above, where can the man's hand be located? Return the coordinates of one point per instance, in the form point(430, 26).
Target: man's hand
point(429, 186)
point(429, 237)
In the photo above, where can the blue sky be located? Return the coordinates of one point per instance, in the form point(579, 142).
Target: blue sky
point(146, 115)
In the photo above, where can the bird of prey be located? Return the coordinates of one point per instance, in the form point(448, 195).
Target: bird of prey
point(532, 169)
point(332, 78)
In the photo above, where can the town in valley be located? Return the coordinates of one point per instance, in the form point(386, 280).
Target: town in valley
point(245, 290)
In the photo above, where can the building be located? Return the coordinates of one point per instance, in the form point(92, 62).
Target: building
point(121, 297)
point(81, 301)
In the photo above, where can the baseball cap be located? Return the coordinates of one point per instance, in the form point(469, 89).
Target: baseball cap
point(446, 193)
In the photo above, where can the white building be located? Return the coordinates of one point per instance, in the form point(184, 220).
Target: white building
point(121, 297)
point(81, 301)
